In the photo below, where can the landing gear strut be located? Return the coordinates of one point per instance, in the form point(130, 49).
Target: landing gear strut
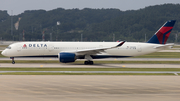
point(88, 62)
point(13, 62)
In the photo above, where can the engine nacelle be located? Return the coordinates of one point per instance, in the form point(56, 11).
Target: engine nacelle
point(66, 57)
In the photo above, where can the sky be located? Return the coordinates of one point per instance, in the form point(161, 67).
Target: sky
point(15, 7)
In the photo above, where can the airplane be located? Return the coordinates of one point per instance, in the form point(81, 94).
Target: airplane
point(68, 52)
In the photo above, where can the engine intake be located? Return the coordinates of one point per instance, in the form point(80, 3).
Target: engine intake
point(66, 57)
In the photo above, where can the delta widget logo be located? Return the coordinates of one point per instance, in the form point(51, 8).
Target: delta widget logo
point(24, 46)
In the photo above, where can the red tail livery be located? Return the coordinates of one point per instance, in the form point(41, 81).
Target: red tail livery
point(161, 36)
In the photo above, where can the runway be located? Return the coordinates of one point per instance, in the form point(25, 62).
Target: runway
point(134, 72)
point(89, 88)
point(61, 65)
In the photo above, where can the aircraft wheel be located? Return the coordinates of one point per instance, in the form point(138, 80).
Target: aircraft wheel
point(88, 62)
point(91, 62)
point(13, 62)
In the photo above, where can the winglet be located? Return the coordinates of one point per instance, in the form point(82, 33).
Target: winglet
point(120, 44)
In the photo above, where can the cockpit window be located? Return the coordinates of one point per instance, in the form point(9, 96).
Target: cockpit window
point(8, 47)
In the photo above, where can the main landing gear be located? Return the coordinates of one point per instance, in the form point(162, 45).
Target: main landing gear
point(13, 62)
point(88, 62)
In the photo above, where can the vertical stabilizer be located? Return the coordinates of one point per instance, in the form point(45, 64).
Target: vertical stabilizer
point(161, 36)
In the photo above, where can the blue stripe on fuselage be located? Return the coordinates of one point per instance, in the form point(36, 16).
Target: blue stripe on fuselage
point(78, 57)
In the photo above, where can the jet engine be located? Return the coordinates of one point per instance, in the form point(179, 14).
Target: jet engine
point(66, 57)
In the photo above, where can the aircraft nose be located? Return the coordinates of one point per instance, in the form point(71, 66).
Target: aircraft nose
point(3, 52)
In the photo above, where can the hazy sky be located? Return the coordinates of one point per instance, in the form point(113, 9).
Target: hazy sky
point(19, 6)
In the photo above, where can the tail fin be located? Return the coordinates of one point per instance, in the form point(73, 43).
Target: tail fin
point(161, 36)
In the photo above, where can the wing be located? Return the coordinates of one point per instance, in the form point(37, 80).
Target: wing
point(94, 50)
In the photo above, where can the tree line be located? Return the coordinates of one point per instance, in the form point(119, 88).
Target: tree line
point(89, 24)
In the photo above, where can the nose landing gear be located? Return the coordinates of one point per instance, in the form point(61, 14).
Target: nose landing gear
point(13, 62)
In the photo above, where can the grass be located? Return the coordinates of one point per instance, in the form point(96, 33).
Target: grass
point(1, 56)
point(160, 55)
point(28, 73)
point(176, 47)
point(30, 61)
point(89, 69)
point(2, 47)
point(86, 69)
point(137, 62)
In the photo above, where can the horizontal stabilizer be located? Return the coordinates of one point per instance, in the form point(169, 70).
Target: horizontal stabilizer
point(166, 46)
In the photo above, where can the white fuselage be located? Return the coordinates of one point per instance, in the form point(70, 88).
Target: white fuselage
point(54, 48)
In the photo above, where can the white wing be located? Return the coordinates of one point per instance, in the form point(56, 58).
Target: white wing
point(94, 50)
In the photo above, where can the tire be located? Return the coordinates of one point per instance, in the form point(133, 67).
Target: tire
point(13, 62)
point(91, 62)
point(86, 62)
